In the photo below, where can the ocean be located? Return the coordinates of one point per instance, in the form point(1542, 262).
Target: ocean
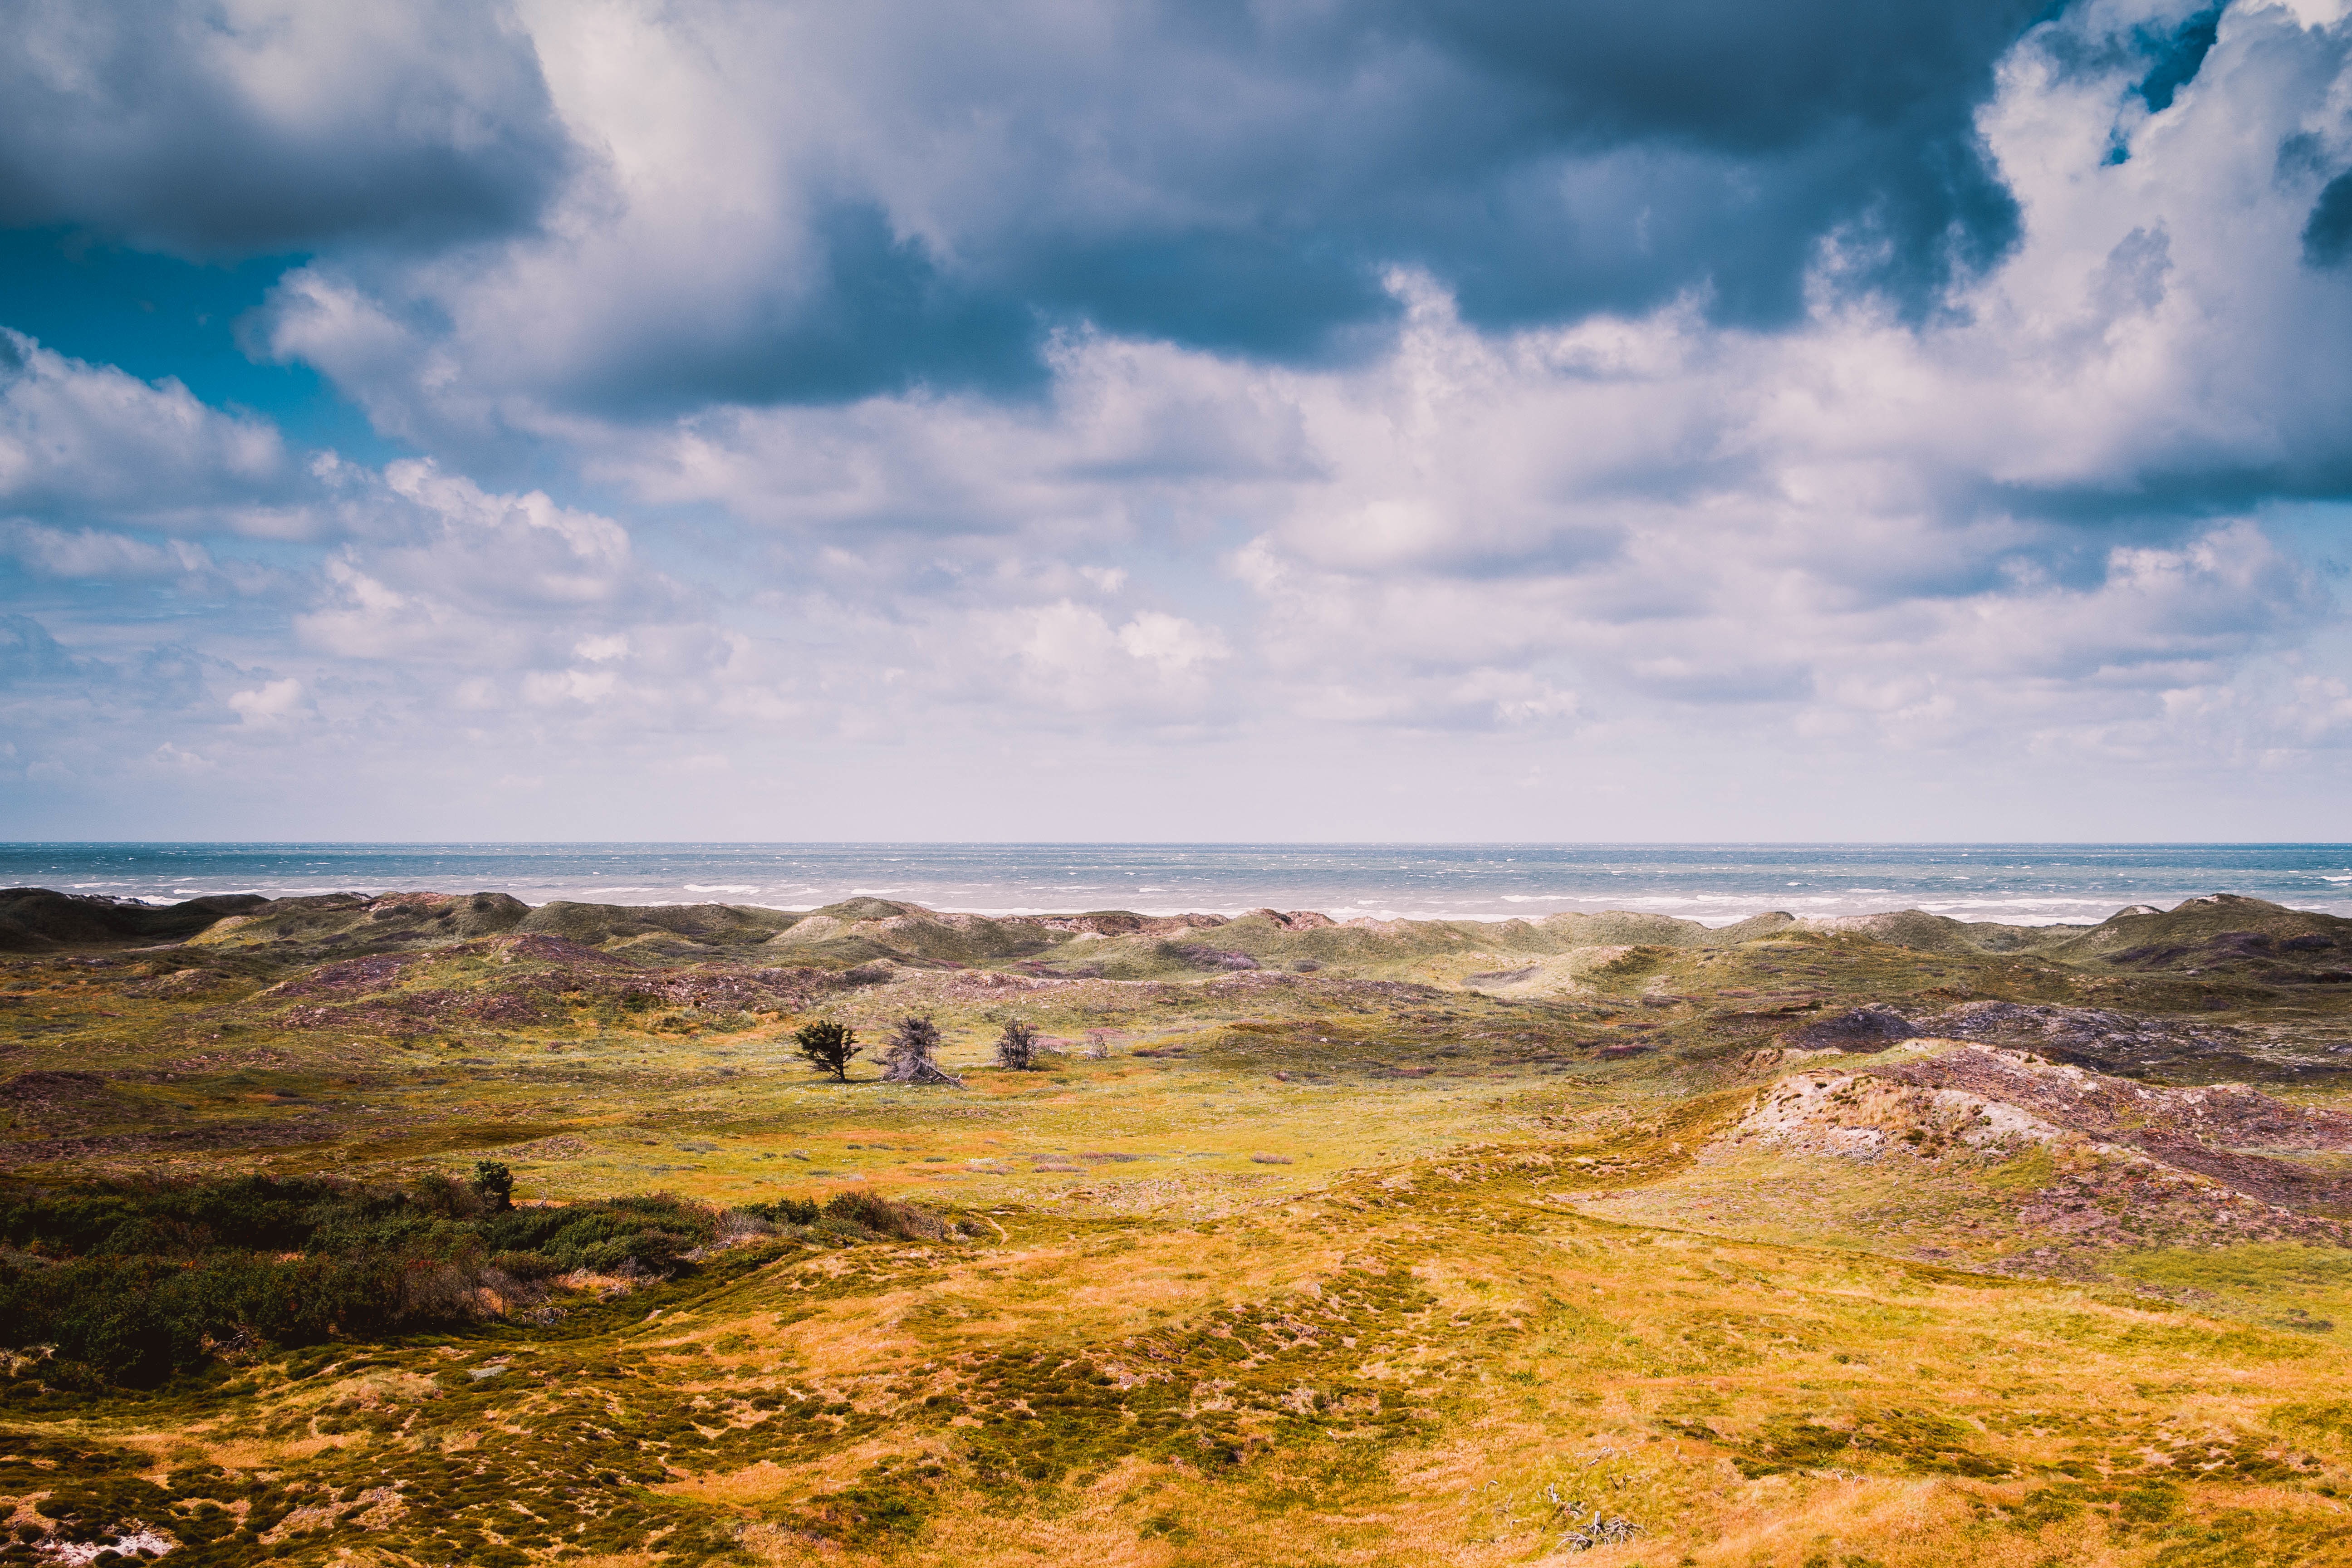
point(2023, 884)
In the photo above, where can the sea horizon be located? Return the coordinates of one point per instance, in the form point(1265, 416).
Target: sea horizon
point(1712, 883)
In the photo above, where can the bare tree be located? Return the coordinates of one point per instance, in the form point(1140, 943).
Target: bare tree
point(913, 1056)
point(827, 1045)
point(1016, 1047)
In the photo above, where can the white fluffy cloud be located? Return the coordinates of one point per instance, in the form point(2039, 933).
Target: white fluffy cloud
point(272, 705)
point(80, 440)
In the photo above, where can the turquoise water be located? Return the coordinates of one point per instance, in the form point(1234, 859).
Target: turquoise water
point(1716, 883)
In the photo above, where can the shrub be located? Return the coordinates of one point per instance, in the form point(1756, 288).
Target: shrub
point(1016, 1047)
point(828, 1046)
point(655, 1233)
point(136, 1281)
point(446, 1197)
point(494, 1184)
point(139, 1319)
point(882, 1216)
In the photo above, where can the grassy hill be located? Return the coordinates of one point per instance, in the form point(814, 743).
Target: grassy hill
point(1858, 1244)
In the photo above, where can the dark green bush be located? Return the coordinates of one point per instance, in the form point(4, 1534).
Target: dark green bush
point(827, 1045)
point(883, 1217)
point(855, 1212)
point(136, 1280)
point(494, 1184)
point(785, 1211)
point(138, 1319)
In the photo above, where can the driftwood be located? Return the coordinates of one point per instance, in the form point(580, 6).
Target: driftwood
point(1598, 1530)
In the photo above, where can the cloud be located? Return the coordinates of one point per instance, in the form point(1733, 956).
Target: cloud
point(272, 705)
point(943, 193)
point(446, 571)
point(1069, 659)
point(1170, 642)
point(234, 127)
point(653, 227)
point(177, 759)
point(89, 553)
point(2036, 498)
point(27, 652)
point(2321, 706)
point(79, 440)
point(2328, 233)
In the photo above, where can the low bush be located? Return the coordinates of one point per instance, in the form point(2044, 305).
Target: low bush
point(858, 1216)
point(1016, 1047)
point(882, 1216)
point(134, 1281)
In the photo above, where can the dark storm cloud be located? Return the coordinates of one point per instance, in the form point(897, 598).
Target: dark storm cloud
point(1232, 177)
point(1790, 121)
point(1544, 162)
point(170, 126)
point(1223, 176)
point(2164, 497)
point(880, 314)
point(1741, 78)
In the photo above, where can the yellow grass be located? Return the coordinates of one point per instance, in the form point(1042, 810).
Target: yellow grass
point(1501, 1273)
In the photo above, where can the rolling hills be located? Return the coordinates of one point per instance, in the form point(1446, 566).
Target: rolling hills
point(1609, 1238)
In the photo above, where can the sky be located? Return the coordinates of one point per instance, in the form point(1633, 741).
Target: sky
point(1044, 419)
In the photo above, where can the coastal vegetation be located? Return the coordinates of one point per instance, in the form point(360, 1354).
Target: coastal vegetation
point(131, 1281)
point(1016, 1046)
point(828, 1044)
point(438, 1229)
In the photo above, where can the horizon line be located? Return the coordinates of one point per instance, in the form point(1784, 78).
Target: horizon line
point(1199, 843)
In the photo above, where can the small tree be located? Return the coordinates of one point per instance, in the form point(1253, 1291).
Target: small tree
point(1016, 1047)
point(494, 1184)
point(828, 1046)
point(913, 1056)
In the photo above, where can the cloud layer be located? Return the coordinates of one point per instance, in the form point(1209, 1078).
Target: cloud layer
point(946, 188)
point(1364, 418)
point(235, 128)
